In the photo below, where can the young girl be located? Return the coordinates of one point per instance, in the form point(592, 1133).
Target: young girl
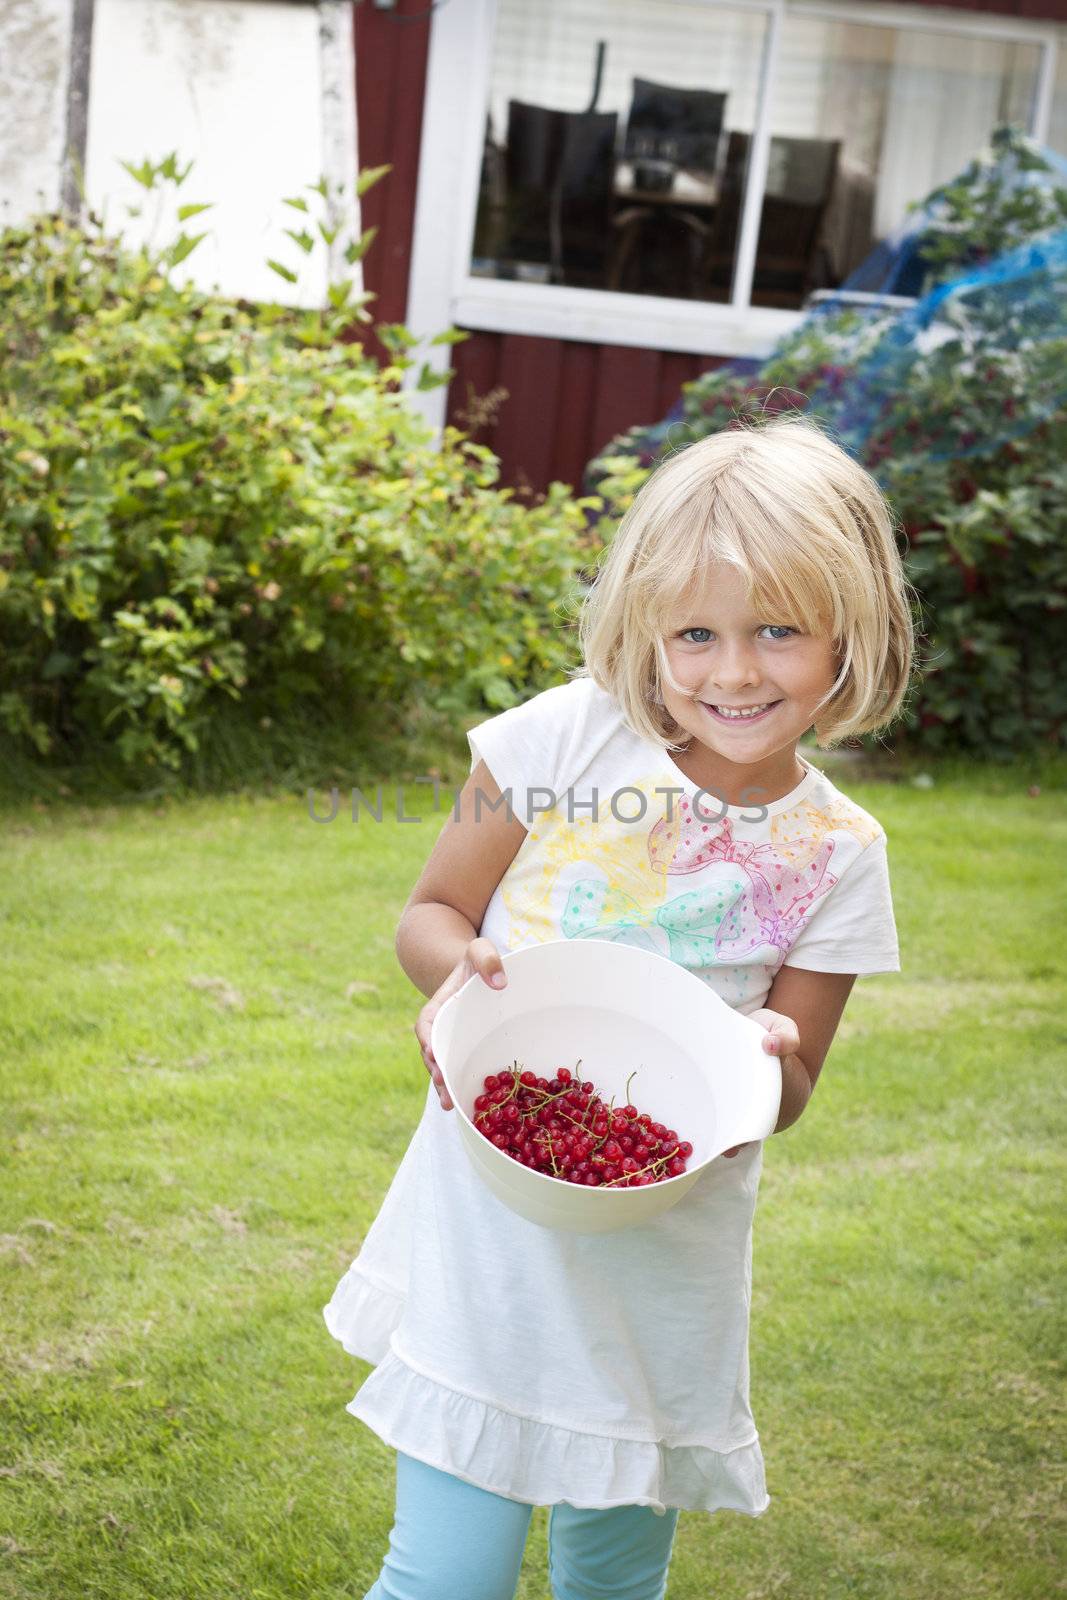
point(752, 592)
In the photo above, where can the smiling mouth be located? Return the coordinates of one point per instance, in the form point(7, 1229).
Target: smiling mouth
point(740, 713)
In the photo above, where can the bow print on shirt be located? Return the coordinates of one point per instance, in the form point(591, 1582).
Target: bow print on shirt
point(690, 921)
point(784, 878)
point(797, 834)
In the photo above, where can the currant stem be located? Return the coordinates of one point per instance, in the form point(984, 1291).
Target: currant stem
point(542, 1136)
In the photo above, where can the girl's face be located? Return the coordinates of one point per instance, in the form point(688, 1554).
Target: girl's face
point(729, 659)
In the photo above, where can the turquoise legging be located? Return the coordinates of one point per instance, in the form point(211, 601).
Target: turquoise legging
point(451, 1541)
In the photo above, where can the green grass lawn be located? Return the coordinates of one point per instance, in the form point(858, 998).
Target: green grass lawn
point(209, 1077)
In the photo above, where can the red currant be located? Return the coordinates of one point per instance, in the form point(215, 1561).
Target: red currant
point(561, 1128)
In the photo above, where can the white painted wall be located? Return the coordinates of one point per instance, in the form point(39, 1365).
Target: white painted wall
point(233, 85)
point(259, 94)
point(34, 63)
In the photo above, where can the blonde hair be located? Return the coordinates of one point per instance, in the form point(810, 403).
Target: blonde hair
point(812, 535)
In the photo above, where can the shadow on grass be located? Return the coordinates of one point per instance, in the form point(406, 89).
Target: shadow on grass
point(241, 754)
point(244, 753)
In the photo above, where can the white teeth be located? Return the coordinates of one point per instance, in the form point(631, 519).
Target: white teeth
point(750, 711)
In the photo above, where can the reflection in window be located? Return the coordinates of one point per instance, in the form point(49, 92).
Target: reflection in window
point(866, 120)
point(611, 181)
point(1057, 133)
point(626, 169)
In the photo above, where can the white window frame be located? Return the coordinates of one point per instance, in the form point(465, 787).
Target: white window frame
point(443, 292)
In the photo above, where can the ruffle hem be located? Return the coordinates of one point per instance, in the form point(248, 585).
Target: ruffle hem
point(540, 1463)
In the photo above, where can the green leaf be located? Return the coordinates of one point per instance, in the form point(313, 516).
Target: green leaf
point(283, 272)
point(450, 336)
point(184, 246)
point(303, 239)
point(145, 174)
point(57, 665)
point(395, 336)
point(296, 203)
point(168, 168)
point(358, 249)
point(498, 692)
point(429, 379)
point(185, 212)
point(369, 177)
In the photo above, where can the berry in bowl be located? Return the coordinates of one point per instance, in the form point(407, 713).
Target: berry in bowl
point(589, 1044)
point(561, 1127)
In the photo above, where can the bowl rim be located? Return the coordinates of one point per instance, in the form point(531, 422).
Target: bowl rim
point(661, 1184)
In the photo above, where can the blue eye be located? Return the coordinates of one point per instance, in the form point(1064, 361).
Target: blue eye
point(775, 627)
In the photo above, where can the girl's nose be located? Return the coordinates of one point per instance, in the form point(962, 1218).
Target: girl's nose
point(734, 670)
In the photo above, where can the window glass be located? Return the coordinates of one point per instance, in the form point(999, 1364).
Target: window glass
point(867, 119)
point(614, 184)
point(630, 176)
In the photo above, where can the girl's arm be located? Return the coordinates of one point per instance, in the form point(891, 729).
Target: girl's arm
point(802, 1013)
point(437, 941)
point(445, 908)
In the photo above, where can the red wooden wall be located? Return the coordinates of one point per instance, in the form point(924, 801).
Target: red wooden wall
point(391, 51)
point(564, 399)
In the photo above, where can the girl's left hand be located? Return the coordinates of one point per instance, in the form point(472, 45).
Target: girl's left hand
point(781, 1039)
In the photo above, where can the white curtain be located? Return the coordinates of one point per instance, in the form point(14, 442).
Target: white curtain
point(545, 52)
point(946, 94)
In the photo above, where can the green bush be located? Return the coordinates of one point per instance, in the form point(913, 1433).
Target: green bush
point(205, 502)
point(967, 433)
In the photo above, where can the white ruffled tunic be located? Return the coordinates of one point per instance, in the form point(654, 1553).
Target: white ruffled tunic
point(606, 1369)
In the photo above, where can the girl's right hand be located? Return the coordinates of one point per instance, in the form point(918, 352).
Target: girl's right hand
point(482, 958)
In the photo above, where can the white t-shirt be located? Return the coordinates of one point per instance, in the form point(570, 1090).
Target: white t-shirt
point(607, 1369)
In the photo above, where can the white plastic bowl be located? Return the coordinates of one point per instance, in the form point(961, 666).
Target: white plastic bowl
point(700, 1066)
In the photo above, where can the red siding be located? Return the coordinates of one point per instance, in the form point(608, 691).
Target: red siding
point(565, 399)
point(390, 80)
